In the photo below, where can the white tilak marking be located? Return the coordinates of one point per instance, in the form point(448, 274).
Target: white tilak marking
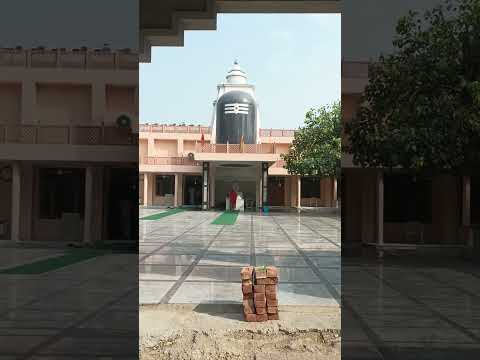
point(237, 108)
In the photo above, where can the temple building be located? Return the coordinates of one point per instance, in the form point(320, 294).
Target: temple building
point(198, 166)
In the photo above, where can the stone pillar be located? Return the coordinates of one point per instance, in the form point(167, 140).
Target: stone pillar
point(205, 184)
point(299, 193)
point(380, 210)
point(29, 102)
point(265, 184)
point(212, 186)
point(16, 198)
point(87, 215)
point(178, 190)
point(145, 189)
point(466, 209)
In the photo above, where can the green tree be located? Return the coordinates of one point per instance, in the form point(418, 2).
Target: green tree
point(316, 147)
point(421, 108)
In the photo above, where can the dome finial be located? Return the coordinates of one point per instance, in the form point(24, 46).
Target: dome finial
point(235, 62)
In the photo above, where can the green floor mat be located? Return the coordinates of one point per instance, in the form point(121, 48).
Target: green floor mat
point(162, 214)
point(227, 218)
point(53, 263)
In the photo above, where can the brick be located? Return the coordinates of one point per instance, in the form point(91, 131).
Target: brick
point(260, 304)
point(272, 310)
point(259, 288)
point(270, 289)
point(247, 289)
point(261, 281)
point(271, 296)
point(261, 310)
point(263, 317)
point(273, 317)
point(271, 281)
point(272, 272)
point(248, 307)
point(272, 302)
point(251, 317)
point(261, 272)
point(259, 296)
point(246, 273)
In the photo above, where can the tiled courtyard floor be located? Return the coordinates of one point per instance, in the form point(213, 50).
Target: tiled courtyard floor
point(186, 259)
point(410, 308)
point(76, 312)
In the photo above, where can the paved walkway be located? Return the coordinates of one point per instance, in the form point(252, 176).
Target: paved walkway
point(410, 308)
point(81, 311)
point(185, 259)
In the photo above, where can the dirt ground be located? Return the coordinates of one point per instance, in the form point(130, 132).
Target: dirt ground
point(171, 332)
point(246, 344)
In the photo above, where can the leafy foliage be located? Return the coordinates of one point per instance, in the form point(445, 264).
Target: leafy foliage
point(421, 108)
point(316, 147)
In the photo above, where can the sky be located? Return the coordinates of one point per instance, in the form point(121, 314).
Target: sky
point(294, 61)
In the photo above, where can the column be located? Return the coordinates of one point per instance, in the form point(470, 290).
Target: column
point(212, 186)
point(178, 190)
point(180, 149)
point(205, 175)
point(99, 103)
point(87, 215)
point(29, 102)
point(146, 182)
point(299, 193)
point(264, 184)
point(380, 210)
point(16, 198)
point(466, 209)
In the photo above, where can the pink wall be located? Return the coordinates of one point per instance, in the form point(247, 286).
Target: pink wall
point(10, 103)
point(60, 104)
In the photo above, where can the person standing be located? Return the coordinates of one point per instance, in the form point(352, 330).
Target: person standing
point(233, 200)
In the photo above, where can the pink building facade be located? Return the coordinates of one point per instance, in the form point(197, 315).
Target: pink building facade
point(198, 165)
point(64, 154)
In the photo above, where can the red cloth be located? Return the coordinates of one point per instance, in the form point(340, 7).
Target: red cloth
point(233, 200)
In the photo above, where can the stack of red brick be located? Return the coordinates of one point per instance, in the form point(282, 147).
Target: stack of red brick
point(259, 288)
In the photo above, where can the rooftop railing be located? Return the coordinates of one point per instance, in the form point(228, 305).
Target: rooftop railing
point(235, 148)
point(198, 129)
point(277, 133)
point(67, 135)
point(194, 129)
point(70, 58)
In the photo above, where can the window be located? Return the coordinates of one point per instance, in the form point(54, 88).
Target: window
point(61, 191)
point(407, 199)
point(310, 187)
point(164, 185)
point(475, 200)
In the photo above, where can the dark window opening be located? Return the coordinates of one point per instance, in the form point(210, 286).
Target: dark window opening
point(61, 191)
point(475, 201)
point(164, 185)
point(407, 199)
point(310, 187)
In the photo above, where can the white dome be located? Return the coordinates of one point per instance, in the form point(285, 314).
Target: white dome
point(236, 75)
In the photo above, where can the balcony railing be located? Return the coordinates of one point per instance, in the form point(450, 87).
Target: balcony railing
point(67, 135)
point(75, 58)
point(156, 160)
point(236, 148)
point(276, 133)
